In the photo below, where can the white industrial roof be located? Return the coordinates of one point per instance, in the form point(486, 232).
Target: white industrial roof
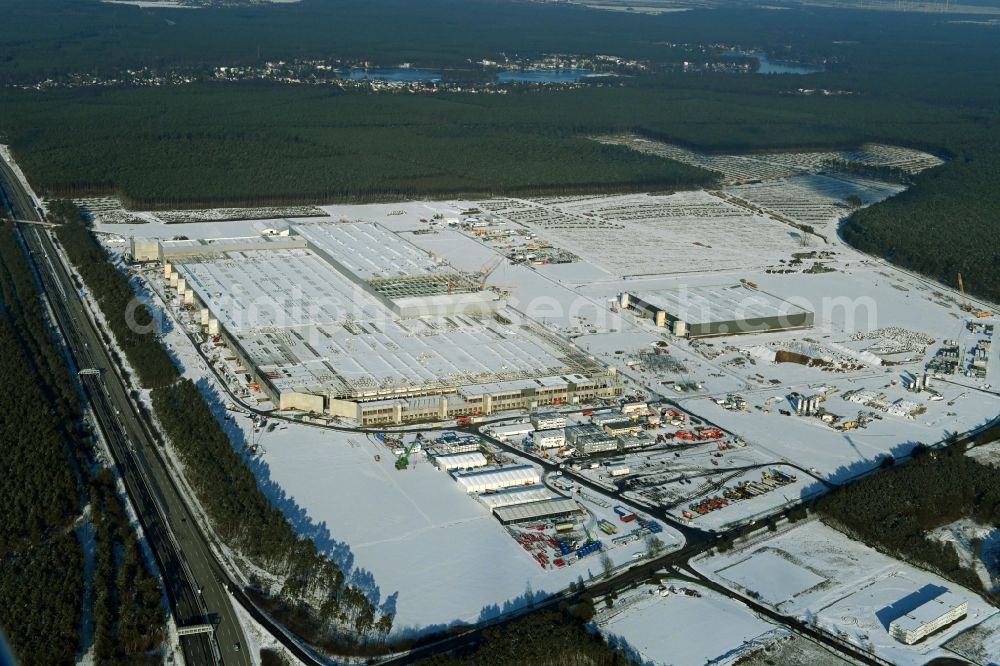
point(929, 611)
point(520, 474)
point(368, 250)
point(308, 328)
point(494, 388)
point(430, 303)
point(362, 358)
point(580, 429)
point(514, 496)
point(461, 460)
point(707, 304)
point(275, 288)
point(194, 246)
point(535, 510)
point(512, 429)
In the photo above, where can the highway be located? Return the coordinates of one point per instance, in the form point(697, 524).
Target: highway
point(191, 575)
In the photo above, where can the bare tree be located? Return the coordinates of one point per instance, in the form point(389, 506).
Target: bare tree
point(654, 546)
point(607, 565)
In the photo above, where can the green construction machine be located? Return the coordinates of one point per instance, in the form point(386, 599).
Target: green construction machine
point(403, 461)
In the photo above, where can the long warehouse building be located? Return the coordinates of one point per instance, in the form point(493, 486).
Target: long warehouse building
point(512, 496)
point(350, 320)
point(489, 480)
point(551, 509)
point(704, 312)
point(927, 618)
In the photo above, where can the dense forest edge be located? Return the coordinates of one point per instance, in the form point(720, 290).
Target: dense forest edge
point(58, 496)
point(543, 637)
point(894, 510)
point(211, 144)
point(296, 582)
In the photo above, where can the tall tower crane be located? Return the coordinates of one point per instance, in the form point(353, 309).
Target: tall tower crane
point(966, 307)
point(488, 269)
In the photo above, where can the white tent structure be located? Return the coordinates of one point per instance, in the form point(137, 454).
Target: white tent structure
point(514, 496)
point(498, 479)
point(469, 460)
point(553, 509)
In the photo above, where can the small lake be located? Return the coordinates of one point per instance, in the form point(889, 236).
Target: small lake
point(397, 74)
point(767, 66)
point(547, 76)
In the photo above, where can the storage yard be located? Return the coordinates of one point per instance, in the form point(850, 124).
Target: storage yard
point(603, 231)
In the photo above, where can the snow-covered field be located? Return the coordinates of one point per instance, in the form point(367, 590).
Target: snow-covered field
point(775, 590)
point(435, 555)
point(673, 629)
point(988, 454)
point(818, 575)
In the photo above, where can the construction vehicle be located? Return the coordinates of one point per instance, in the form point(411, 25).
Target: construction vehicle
point(403, 461)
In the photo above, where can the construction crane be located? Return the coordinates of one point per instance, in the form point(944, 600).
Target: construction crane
point(966, 307)
point(403, 461)
point(488, 269)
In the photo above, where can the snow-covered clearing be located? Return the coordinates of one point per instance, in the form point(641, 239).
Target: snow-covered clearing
point(794, 580)
point(988, 454)
point(675, 629)
point(768, 166)
point(978, 548)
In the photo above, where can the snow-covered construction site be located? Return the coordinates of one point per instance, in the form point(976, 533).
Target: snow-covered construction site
point(472, 404)
point(899, 613)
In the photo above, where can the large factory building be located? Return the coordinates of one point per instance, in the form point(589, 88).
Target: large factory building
point(703, 312)
point(351, 320)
